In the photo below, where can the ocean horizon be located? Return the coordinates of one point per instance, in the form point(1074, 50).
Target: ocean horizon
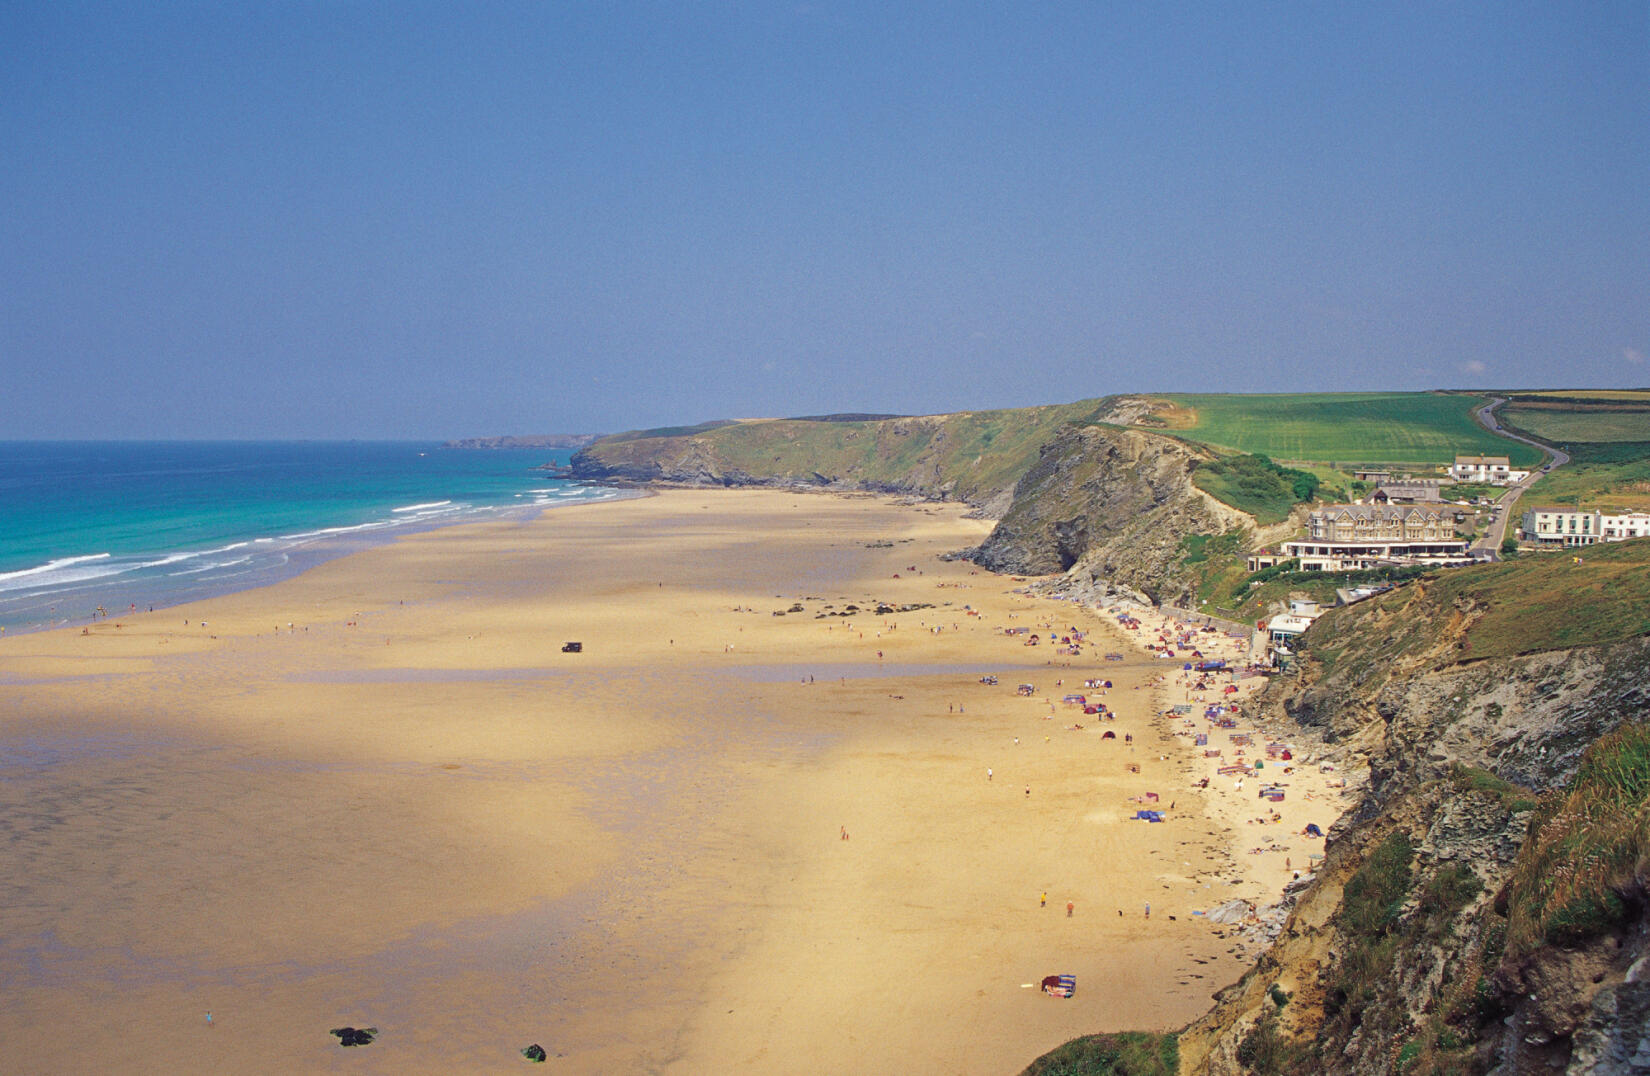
point(89, 528)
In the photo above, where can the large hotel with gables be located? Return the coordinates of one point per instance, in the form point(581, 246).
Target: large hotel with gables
point(1345, 537)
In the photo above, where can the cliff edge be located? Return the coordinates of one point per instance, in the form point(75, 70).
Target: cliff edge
point(1482, 908)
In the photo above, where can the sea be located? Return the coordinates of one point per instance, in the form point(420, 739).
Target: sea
point(94, 528)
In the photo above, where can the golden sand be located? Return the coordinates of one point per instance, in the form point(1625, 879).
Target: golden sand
point(380, 794)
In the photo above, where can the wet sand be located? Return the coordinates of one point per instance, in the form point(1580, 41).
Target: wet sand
point(380, 794)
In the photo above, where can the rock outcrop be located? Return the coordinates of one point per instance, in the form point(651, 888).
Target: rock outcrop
point(1110, 507)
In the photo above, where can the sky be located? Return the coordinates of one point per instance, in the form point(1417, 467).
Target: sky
point(407, 220)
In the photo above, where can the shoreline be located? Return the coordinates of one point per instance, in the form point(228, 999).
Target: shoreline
point(296, 557)
point(392, 800)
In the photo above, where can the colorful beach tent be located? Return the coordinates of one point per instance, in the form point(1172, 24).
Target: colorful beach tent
point(1060, 986)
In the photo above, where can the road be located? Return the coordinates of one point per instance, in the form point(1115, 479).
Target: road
point(1495, 533)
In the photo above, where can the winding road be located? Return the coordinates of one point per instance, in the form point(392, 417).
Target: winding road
point(1489, 545)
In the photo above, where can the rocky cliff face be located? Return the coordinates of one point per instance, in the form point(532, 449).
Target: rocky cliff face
point(1110, 507)
point(1451, 927)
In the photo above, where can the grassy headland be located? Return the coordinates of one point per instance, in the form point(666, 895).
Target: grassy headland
point(968, 456)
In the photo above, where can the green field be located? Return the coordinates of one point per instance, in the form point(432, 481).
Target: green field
point(1594, 425)
point(1413, 428)
point(1599, 478)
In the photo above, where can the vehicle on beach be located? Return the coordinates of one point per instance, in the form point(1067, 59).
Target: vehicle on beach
point(572, 648)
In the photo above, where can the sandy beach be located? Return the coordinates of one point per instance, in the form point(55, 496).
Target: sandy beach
point(747, 829)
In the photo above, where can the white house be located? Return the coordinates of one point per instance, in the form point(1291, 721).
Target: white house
point(1493, 470)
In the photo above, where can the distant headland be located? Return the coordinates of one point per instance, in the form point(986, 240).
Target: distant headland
point(541, 440)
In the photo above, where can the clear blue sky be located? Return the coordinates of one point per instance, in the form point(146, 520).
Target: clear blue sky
point(343, 219)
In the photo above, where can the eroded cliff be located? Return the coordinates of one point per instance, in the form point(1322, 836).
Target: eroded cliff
point(1111, 507)
point(1482, 908)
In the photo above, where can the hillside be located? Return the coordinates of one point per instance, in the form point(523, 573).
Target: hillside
point(1085, 486)
point(1111, 508)
point(971, 456)
point(1607, 434)
point(1482, 908)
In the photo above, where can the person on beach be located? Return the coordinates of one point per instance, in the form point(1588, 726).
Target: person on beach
point(1070, 907)
point(1042, 902)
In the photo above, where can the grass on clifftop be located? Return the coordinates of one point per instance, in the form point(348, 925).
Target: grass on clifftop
point(1368, 427)
point(1546, 601)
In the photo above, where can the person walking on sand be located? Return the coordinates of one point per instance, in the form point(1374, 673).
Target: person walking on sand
point(1042, 902)
point(844, 832)
point(988, 773)
point(1070, 906)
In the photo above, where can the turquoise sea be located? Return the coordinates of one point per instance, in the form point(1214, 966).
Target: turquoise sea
point(85, 525)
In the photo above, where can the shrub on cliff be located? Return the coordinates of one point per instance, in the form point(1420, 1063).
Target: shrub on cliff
point(1586, 865)
point(1256, 485)
point(1128, 1053)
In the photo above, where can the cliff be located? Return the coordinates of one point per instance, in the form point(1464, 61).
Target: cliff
point(1482, 908)
point(971, 456)
point(1111, 508)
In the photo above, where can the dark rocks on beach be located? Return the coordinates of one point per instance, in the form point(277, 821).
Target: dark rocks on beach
point(534, 1053)
point(354, 1036)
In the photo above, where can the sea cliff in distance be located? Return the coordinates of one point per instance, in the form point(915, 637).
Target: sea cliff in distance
point(536, 440)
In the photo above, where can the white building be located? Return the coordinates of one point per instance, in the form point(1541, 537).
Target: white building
point(1554, 525)
point(1493, 470)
